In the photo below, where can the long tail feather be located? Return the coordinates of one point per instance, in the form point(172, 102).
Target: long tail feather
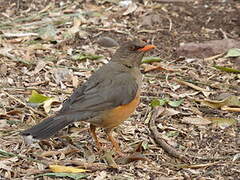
point(47, 127)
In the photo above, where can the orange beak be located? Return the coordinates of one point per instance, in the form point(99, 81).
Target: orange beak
point(147, 48)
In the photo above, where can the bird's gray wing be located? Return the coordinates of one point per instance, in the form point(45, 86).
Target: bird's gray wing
point(100, 94)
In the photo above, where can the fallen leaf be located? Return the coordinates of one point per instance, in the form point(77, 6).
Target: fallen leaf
point(131, 8)
point(229, 109)
point(195, 120)
point(236, 157)
point(170, 112)
point(48, 33)
point(149, 67)
point(74, 176)
point(76, 25)
point(222, 122)
point(5, 167)
point(158, 102)
point(195, 166)
point(151, 59)
point(75, 81)
point(125, 3)
point(62, 74)
point(161, 102)
point(230, 101)
point(47, 104)
point(83, 56)
point(6, 52)
point(227, 69)
point(175, 103)
point(108, 157)
point(137, 155)
point(40, 65)
point(234, 52)
point(18, 34)
point(66, 169)
point(37, 98)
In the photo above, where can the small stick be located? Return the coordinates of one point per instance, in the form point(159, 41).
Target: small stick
point(160, 141)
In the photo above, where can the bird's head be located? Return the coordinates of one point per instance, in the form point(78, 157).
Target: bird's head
point(131, 53)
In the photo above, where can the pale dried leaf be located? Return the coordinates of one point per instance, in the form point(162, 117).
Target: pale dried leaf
point(131, 8)
point(195, 120)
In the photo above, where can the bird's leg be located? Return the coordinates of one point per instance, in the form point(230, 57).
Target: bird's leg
point(114, 142)
point(93, 132)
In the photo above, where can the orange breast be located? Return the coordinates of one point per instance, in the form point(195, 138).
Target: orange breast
point(117, 115)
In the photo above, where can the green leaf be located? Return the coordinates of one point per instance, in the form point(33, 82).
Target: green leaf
point(6, 154)
point(145, 145)
point(234, 52)
point(69, 175)
point(172, 134)
point(37, 98)
point(82, 57)
point(151, 59)
point(175, 103)
point(227, 69)
point(158, 102)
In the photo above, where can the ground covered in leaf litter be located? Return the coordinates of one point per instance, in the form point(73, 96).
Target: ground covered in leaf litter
point(51, 47)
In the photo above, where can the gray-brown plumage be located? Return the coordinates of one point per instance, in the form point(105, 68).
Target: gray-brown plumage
point(109, 96)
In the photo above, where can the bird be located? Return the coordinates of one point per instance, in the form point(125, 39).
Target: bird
point(105, 100)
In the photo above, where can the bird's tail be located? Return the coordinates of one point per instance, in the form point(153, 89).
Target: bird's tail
point(46, 128)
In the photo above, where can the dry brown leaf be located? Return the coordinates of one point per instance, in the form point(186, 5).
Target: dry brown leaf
point(149, 67)
point(195, 120)
point(75, 81)
point(50, 153)
point(196, 166)
point(222, 122)
point(76, 25)
point(170, 112)
point(62, 74)
point(40, 65)
point(108, 157)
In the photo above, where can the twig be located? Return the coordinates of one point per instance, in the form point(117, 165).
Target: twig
point(160, 141)
point(210, 158)
point(223, 33)
point(19, 101)
point(89, 166)
point(73, 68)
point(170, 24)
